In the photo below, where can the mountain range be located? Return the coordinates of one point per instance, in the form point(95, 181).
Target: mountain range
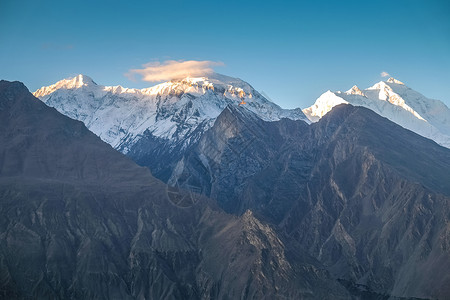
point(341, 200)
point(79, 220)
point(174, 110)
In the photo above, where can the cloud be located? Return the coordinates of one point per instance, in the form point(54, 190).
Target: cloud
point(384, 74)
point(172, 69)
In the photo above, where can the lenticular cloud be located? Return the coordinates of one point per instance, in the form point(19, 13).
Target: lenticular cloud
point(172, 69)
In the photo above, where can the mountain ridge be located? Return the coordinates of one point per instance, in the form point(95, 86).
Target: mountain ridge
point(397, 102)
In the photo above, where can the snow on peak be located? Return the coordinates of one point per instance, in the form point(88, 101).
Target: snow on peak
point(81, 80)
point(392, 93)
point(393, 80)
point(355, 91)
point(395, 101)
point(69, 83)
point(323, 105)
point(218, 79)
point(200, 85)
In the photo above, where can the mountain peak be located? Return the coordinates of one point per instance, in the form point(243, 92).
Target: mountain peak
point(213, 77)
point(395, 101)
point(78, 81)
point(69, 83)
point(393, 80)
point(17, 85)
point(355, 91)
point(216, 80)
point(223, 84)
point(11, 92)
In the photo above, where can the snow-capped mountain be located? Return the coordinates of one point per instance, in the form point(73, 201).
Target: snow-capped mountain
point(395, 101)
point(171, 111)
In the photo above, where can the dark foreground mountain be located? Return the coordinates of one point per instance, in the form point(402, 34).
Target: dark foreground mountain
point(80, 220)
point(366, 197)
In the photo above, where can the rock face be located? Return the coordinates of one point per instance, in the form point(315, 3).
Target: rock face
point(80, 220)
point(236, 148)
point(397, 102)
point(366, 197)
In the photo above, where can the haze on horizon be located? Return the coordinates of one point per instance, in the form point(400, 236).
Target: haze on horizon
point(292, 52)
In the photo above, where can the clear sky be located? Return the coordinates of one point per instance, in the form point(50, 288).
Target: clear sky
point(292, 50)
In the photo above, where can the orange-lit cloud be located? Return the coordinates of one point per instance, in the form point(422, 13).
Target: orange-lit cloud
point(172, 69)
point(384, 74)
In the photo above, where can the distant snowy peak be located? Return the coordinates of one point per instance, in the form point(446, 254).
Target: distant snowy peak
point(395, 101)
point(355, 91)
point(323, 105)
point(177, 111)
point(393, 80)
point(201, 85)
point(70, 83)
point(385, 92)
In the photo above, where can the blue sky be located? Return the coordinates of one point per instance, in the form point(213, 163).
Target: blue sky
point(291, 50)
